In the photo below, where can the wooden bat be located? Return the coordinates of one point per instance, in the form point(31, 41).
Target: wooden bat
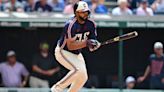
point(121, 38)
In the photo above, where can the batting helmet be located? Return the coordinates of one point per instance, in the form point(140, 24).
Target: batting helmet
point(81, 6)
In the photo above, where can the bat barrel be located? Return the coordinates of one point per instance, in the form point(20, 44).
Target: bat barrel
point(121, 38)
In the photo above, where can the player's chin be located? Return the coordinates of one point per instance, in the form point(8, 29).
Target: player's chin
point(85, 18)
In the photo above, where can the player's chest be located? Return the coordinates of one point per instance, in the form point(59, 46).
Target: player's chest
point(81, 32)
point(12, 69)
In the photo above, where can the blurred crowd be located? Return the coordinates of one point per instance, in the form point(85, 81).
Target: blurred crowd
point(122, 7)
point(15, 74)
point(45, 71)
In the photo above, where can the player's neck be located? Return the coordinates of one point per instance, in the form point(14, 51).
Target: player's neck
point(80, 21)
point(159, 55)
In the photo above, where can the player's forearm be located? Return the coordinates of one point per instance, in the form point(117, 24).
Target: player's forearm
point(76, 45)
point(54, 70)
point(37, 69)
point(147, 71)
point(25, 80)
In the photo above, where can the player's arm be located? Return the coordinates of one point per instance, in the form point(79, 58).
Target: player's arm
point(147, 71)
point(53, 71)
point(37, 69)
point(72, 44)
point(92, 43)
point(25, 75)
point(35, 66)
point(24, 82)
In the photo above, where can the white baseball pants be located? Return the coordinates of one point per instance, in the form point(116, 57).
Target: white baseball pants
point(76, 77)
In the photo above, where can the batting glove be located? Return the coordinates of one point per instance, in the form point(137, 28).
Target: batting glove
point(93, 44)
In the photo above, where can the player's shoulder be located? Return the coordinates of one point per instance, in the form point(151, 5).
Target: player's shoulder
point(163, 56)
point(152, 56)
point(70, 21)
point(116, 9)
point(149, 9)
point(91, 21)
point(3, 63)
point(19, 63)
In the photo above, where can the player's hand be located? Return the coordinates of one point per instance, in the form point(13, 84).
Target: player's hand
point(23, 84)
point(141, 79)
point(93, 44)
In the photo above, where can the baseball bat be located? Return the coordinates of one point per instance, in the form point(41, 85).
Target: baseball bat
point(121, 38)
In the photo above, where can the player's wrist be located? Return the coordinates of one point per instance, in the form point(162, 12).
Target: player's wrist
point(85, 43)
point(42, 71)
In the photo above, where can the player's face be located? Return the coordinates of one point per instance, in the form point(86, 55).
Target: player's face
point(158, 51)
point(44, 50)
point(123, 5)
point(131, 85)
point(12, 59)
point(144, 4)
point(82, 15)
point(30, 1)
point(43, 2)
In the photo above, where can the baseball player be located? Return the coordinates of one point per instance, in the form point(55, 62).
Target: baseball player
point(79, 32)
point(155, 68)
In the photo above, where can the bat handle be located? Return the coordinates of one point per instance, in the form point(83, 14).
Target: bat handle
point(104, 43)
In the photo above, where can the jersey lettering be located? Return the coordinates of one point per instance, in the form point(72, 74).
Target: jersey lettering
point(86, 34)
point(82, 36)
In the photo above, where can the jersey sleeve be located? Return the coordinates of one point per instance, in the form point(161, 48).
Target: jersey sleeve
point(24, 71)
point(93, 33)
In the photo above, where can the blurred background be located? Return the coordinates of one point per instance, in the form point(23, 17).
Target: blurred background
point(29, 30)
